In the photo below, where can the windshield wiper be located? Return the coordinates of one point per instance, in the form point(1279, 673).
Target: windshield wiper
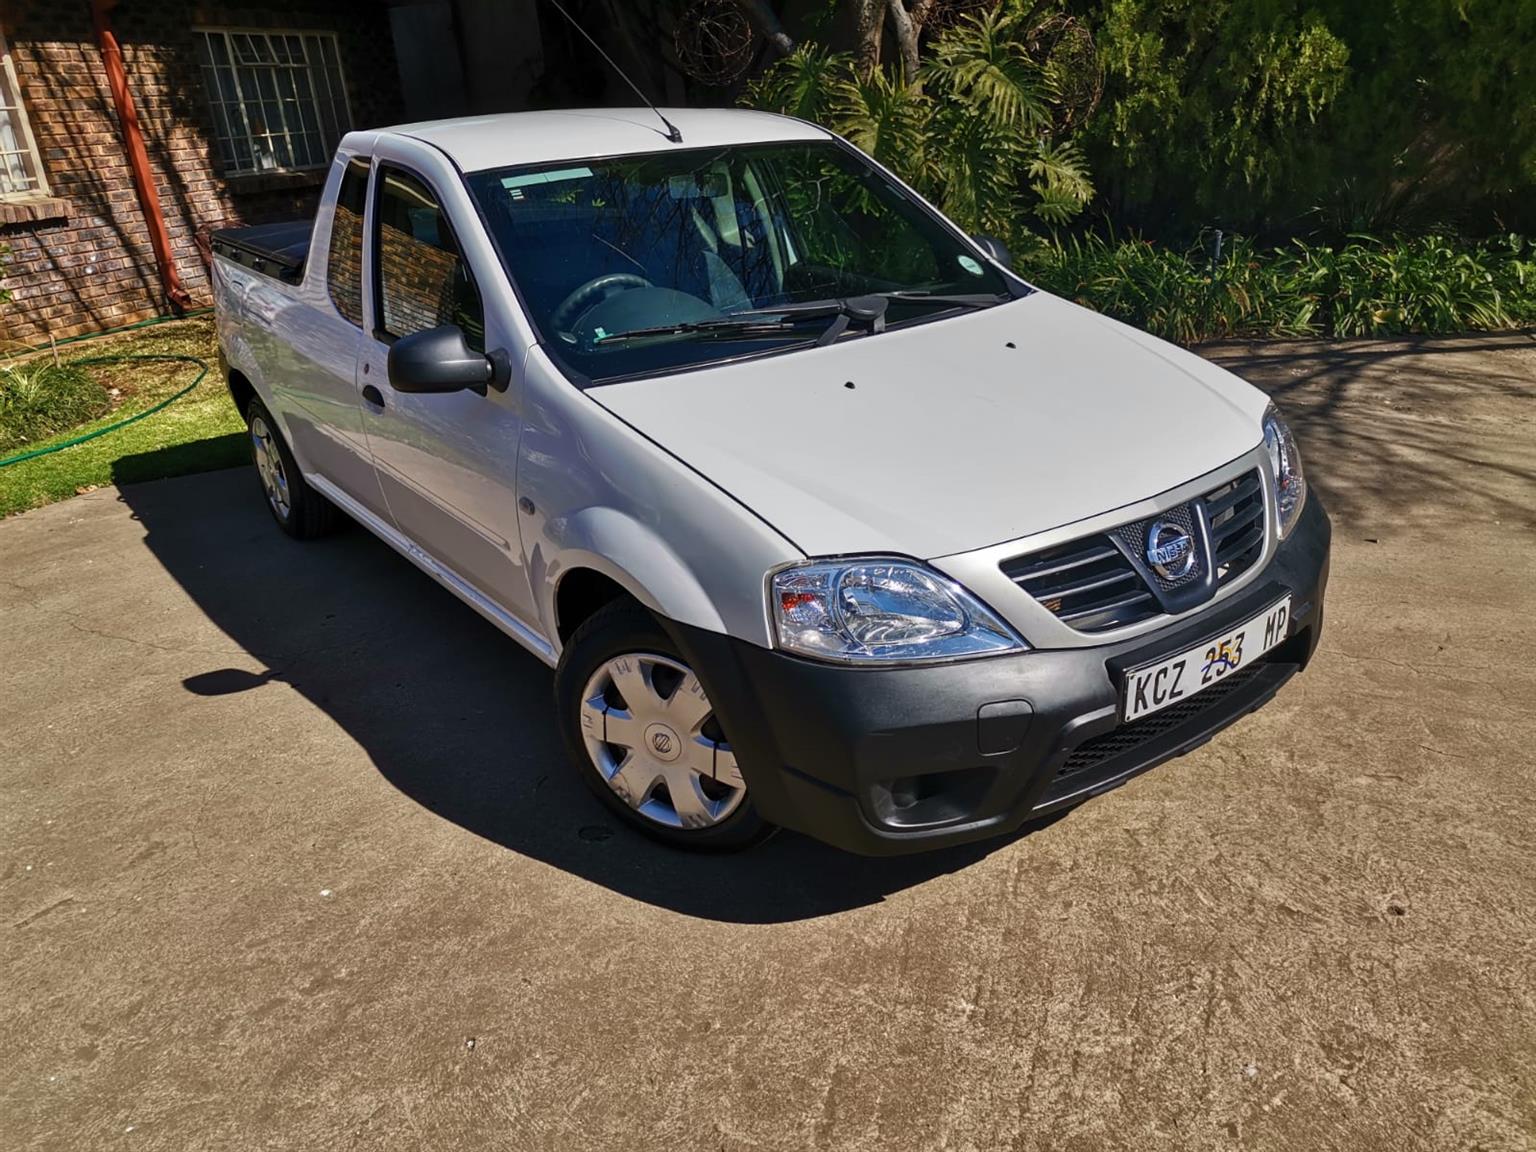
point(963, 300)
point(868, 310)
point(721, 326)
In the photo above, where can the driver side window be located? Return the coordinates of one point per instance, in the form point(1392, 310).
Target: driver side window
point(422, 279)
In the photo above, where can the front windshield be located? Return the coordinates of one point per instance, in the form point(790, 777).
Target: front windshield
point(636, 265)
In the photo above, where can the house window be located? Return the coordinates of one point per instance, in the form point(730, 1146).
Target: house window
point(21, 173)
point(279, 102)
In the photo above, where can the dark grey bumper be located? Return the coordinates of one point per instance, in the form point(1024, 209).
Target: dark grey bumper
point(885, 760)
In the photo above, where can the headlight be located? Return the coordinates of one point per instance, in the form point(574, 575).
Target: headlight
point(876, 610)
point(1285, 463)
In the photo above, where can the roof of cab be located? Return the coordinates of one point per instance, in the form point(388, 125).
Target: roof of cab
point(478, 142)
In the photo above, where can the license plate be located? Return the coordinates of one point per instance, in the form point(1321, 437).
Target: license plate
point(1155, 686)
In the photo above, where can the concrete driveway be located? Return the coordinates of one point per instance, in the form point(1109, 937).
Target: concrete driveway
point(289, 859)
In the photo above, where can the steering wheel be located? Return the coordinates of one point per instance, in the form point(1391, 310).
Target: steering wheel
point(599, 287)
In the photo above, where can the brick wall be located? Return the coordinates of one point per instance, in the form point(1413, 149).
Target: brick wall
point(90, 265)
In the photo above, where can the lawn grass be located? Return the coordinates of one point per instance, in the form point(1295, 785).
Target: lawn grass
point(199, 432)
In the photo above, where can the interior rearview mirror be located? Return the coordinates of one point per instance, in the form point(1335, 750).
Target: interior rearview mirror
point(437, 360)
point(996, 249)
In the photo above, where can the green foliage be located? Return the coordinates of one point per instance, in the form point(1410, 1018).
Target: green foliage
point(1332, 116)
point(39, 398)
point(1361, 288)
point(887, 119)
point(984, 64)
point(975, 131)
point(803, 85)
point(1204, 99)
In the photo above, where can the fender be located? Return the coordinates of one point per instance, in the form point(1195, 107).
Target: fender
point(595, 493)
point(630, 554)
point(229, 311)
point(231, 285)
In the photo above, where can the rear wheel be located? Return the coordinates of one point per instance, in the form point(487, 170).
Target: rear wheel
point(298, 509)
point(641, 731)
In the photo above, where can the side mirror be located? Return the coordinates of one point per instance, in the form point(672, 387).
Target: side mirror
point(996, 249)
point(437, 360)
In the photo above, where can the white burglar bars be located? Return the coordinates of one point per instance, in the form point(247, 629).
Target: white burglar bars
point(21, 173)
point(279, 101)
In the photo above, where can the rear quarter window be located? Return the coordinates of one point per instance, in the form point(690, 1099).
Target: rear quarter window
point(344, 266)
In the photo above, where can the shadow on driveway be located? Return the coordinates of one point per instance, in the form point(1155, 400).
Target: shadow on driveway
point(459, 718)
point(1396, 433)
point(454, 714)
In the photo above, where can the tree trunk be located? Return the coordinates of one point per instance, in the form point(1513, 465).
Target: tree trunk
point(766, 21)
point(906, 38)
point(871, 26)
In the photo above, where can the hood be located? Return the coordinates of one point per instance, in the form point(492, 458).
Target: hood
point(955, 434)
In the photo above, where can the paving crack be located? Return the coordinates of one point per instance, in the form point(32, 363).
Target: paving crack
point(40, 913)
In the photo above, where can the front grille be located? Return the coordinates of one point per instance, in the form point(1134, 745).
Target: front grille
point(1234, 514)
point(1101, 758)
point(1134, 537)
point(1087, 583)
point(1093, 584)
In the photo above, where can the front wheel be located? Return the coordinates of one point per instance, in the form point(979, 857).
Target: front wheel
point(640, 729)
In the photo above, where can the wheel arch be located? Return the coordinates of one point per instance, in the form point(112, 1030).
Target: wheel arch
point(241, 390)
point(580, 594)
point(604, 553)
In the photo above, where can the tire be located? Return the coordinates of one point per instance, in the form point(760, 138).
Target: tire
point(659, 761)
point(298, 509)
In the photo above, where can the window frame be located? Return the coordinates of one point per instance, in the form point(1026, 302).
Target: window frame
point(381, 170)
point(30, 156)
point(237, 113)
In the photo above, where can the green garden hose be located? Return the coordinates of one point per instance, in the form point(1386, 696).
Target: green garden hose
point(127, 420)
point(123, 359)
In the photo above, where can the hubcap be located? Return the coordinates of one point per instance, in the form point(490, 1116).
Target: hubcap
point(269, 466)
point(652, 735)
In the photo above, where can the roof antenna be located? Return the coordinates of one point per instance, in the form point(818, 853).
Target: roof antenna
point(672, 133)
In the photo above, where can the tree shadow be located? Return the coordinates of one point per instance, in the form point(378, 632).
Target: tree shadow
point(454, 714)
point(1395, 434)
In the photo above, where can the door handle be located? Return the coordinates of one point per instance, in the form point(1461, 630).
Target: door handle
point(372, 395)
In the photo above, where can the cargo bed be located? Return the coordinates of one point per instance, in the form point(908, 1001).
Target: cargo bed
point(276, 250)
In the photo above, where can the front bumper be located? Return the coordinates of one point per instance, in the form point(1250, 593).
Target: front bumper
point(888, 760)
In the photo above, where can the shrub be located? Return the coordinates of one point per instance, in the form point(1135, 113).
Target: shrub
point(1323, 118)
point(1427, 285)
point(39, 399)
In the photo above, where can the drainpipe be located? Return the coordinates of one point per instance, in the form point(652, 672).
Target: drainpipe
point(138, 158)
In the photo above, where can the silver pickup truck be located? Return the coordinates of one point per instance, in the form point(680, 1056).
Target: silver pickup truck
point(824, 517)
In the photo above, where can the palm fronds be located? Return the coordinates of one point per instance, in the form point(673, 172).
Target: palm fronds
point(974, 131)
point(983, 64)
point(803, 84)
